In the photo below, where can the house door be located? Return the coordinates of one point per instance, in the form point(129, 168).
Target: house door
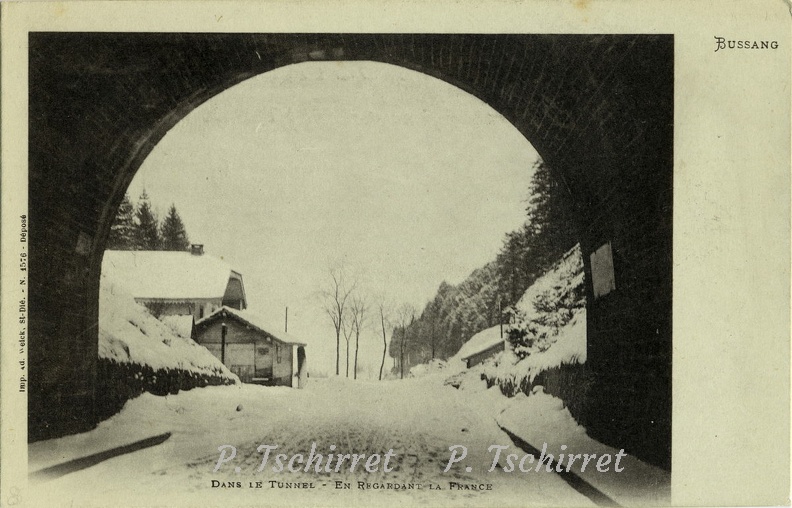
point(239, 359)
point(264, 356)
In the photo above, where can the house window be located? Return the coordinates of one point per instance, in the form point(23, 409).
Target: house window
point(278, 352)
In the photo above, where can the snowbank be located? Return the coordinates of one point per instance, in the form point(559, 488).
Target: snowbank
point(433, 367)
point(541, 418)
point(533, 416)
point(129, 334)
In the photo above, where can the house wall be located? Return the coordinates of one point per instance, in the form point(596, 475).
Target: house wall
point(249, 353)
point(282, 365)
point(203, 308)
point(198, 308)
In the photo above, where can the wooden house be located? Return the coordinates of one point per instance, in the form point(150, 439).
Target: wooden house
point(176, 283)
point(252, 349)
point(482, 346)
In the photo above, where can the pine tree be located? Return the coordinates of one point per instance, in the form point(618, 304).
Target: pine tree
point(122, 232)
point(146, 228)
point(551, 218)
point(173, 234)
point(549, 231)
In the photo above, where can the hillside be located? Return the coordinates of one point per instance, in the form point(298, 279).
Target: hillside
point(457, 313)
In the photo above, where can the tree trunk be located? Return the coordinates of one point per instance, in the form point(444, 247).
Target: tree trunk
point(401, 360)
point(401, 354)
point(338, 349)
point(357, 345)
point(384, 345)
point(347, 358)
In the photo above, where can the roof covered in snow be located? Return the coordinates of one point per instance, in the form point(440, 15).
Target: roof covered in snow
point(168, 275)
point(250, 319)
point(480, 342)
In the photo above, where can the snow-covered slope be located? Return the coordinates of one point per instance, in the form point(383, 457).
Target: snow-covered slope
point(561, 279)
point(435, 366)
point(548, 306)
point(548, 323)
point(569, 347)
point(129, 334)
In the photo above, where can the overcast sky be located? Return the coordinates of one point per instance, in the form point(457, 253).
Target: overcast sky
point(407, 179)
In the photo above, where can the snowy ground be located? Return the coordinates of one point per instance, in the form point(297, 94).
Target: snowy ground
point(541, 418)
point(418, 418)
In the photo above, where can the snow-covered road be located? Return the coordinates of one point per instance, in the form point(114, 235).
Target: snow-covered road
point(419, 419)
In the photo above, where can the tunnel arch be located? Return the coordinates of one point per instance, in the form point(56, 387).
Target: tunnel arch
point(598, 109)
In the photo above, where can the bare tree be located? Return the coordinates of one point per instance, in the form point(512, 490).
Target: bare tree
point(405, 317)
point(385, 324)
point(357, 318)
point(347, 327)
point(335, 296)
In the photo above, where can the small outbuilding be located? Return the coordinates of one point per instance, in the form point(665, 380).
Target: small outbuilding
point(251, 349)
point(481, 346)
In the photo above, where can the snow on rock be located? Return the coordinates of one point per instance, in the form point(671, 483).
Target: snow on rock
point(548, 305)
point(560, 279)
point(548, 330)
point(129, 334)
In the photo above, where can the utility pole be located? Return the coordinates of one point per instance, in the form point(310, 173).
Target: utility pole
point(286, 326)
point(223, 331)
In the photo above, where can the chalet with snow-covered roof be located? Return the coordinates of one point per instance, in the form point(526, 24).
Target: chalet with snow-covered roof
point(482, 346)
point(176, 283)
point(252, 349)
